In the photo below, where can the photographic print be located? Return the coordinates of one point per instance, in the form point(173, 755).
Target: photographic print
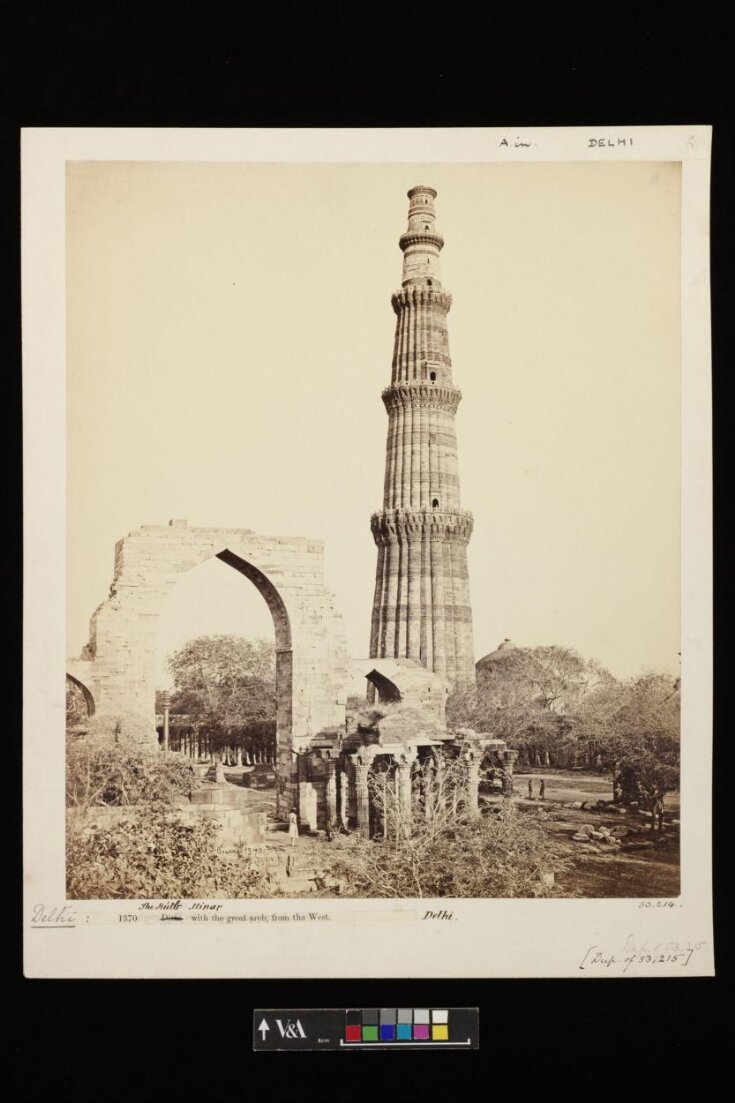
point(373, 491)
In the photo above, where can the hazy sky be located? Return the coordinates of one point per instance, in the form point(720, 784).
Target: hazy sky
point(229, 334)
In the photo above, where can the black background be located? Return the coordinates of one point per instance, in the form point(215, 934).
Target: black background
point(360, 65)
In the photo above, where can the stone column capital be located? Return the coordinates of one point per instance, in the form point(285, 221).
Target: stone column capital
point(363, 758)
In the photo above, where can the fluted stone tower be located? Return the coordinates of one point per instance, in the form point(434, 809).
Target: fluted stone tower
point(421, 608)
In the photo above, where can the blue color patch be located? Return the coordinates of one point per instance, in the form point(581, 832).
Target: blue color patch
point(404, 1032)
point(387, 1033)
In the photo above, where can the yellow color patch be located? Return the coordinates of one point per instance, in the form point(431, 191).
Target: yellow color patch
point(440, 1032)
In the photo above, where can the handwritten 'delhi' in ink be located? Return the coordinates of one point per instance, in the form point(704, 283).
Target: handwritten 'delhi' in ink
point(631, 954)
point(53, 917)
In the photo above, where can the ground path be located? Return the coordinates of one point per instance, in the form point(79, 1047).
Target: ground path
point(641, 868)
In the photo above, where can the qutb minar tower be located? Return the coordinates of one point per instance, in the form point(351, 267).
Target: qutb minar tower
point(421, 608)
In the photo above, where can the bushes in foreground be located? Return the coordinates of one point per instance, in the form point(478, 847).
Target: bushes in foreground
point(102, 772)
point(441, 849)
point(148, 853)
point(153, 855)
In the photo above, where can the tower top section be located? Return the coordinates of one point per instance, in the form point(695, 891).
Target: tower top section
point(421, 243)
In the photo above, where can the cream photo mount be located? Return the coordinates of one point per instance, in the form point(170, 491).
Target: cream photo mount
point(320, 937)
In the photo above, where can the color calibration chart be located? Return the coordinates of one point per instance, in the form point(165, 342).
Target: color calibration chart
point(410, 1028)
point(402, 1024)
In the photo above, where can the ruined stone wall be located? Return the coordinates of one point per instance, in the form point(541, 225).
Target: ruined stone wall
point(234, 825)
point(119, 663)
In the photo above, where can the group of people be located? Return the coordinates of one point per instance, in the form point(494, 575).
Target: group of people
point(541, 791)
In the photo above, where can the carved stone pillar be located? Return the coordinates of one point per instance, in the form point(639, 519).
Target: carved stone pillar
point(403, 773)
point(330, 786)
point(429, 775)
point(343, 787)
point(509, 758)
point(473, 785)
point(307, 805)
point(362, 792)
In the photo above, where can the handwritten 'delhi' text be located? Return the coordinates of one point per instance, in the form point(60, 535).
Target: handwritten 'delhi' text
point(633, 953)
point(62, 916)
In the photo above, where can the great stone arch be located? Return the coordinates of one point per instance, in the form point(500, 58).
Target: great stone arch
point(118, 665)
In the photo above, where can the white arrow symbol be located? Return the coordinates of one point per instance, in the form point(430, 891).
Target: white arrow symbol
point(263, 1028)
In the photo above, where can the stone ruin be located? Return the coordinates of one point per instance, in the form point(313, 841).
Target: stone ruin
point(117, 669)
point(322, 764)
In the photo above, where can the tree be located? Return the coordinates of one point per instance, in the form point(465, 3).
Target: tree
point(225, 684)
point(634, 727)
point(529, 697)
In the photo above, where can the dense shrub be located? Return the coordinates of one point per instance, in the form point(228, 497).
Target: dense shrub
point(502, 855)
point(152, 855)
point(100, 771)
point(441, 848)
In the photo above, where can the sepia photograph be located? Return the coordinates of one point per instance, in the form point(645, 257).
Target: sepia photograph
point(367, 553)
point(373, 530)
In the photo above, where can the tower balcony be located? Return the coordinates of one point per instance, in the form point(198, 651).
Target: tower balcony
point(422, 392)
point(404, 526)
point(420, 237)
point(420, 294)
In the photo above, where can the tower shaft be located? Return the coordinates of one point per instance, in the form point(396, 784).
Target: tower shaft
point(421, 607)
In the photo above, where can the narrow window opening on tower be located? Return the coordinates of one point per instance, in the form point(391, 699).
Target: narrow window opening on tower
point(432, 376)
point(429, 282)
point(426, 226)
point(435, 502)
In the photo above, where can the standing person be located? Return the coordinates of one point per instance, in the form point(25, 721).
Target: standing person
point(657, 816)
point(293, 828)
point(530, 790)
point(542, 789)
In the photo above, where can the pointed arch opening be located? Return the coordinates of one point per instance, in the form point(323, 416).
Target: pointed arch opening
point(208, 611)
point(388, 691)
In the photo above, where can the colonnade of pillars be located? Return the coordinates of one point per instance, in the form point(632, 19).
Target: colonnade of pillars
point(198, 746)
point(362, 762)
